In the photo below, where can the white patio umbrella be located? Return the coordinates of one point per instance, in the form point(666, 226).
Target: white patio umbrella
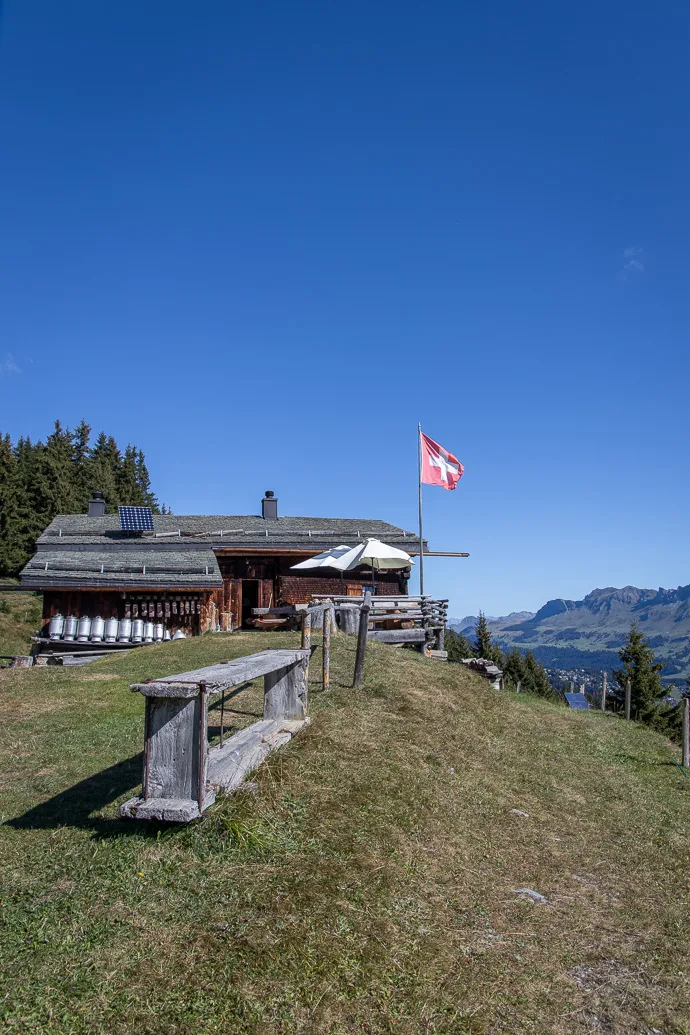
point(375, 555)
point(327, 559)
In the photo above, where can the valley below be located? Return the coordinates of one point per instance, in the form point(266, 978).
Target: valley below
point(588, 633)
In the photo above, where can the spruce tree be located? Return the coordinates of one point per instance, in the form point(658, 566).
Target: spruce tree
point(643, 672)
point(32, 498)
point(144, 483)
point(482, 636)
point(80, 461)
point(57, 468)
point(104, 467)
point(40, 480)
point(536, 680)
point(128, 487)
point(458, 646)
point(484, 648)
point(514, 670)
point(10, 548)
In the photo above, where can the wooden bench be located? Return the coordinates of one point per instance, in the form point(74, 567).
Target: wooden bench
point(181, 774)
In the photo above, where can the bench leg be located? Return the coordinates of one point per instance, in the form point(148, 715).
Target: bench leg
point(286, 692)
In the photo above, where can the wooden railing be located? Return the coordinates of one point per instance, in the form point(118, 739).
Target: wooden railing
point(419, 620)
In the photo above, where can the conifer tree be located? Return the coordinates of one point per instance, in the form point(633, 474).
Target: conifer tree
point(144, 483)
point(80, 461)
point(39, 480)
point(482, 637)
point(484, 648)
point(31, 498)
point(57, 469)
point(536, 680)
point(128, 488)
point(514, 670)
point(10, 548)
point(643, 672)
point(104, 467)
point(458, 646)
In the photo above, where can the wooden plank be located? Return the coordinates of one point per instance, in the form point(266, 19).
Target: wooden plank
point(288, 609)
point(220, 676)
point(398, 635)
point(166, 810)
point(286, 692)
point(240, 755)
point(173, 770)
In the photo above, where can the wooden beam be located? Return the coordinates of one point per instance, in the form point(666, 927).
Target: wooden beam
point(398, 635)
point(436, 553)
point(224, 675)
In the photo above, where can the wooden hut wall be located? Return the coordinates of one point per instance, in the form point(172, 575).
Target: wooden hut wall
point(278, 584)
point(176, 610)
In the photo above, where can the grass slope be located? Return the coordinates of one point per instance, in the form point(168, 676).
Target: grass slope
point(20, 617)
point(368, 887)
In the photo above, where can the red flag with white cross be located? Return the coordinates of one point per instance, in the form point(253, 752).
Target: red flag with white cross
point(439, 467)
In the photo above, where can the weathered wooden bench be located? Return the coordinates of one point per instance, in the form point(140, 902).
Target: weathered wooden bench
point(181, 773)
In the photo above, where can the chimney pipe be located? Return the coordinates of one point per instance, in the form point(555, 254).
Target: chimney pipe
point(269, 506)
point(96, 505)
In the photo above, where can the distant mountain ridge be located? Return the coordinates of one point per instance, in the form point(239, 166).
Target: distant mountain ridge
point(589, 632)
point(469, 621)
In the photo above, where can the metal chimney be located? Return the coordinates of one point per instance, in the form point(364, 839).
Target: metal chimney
point(269, 506)
point(96, 505)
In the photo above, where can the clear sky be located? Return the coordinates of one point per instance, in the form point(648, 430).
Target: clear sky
point(262, 240)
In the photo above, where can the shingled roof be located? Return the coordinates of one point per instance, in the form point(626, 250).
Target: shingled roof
point(227, 531)
point(134, 569)
point(79, 551)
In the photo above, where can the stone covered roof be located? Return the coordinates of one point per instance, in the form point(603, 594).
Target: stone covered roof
point(76, 550)
point(228, 531)
point(132, 568)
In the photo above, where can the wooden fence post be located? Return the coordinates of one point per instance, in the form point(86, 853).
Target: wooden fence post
point(603, 691)
point(685, 725)
point(362, 639)
point(306, 630)
point(306, 635)
point(326, 647)
point(628, 698)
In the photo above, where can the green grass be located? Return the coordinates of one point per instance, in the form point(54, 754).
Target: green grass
point(20, 617)
point(367, 887)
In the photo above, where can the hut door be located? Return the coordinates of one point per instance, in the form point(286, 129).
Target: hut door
point(266, 598)
point(250, 598)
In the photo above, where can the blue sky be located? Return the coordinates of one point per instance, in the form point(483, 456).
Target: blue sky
point(263, 240)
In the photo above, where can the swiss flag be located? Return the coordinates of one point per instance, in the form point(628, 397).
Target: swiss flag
point(439, 467)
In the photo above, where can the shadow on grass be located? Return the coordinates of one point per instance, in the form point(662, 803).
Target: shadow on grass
point(74, 807)
point(625, 756)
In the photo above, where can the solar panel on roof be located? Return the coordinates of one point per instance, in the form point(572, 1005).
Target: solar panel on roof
point(577, 701)
point(136, 519)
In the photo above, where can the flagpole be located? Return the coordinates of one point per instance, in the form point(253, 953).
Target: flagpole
point(421, 533)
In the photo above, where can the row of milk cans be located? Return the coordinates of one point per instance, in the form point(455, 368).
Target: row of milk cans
point(111, 630)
